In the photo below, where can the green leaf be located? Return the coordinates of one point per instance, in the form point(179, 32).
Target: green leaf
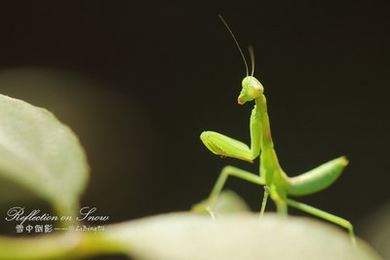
point(41, 154)
point(188, 236)
point(240, 236)
point(228, 202)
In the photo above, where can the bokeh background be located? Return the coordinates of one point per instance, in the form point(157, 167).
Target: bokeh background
point(139, 81)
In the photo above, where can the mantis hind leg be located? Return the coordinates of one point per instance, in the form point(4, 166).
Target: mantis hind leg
point(324, 215)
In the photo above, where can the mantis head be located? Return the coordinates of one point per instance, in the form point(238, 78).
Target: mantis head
point(251, 89)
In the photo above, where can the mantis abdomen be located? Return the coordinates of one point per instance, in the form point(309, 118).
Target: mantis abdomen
point(316, 179)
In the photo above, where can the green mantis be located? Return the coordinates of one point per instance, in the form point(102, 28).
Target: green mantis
point(276, 183)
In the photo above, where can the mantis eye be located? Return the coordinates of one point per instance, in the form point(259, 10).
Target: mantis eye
point(257, 89)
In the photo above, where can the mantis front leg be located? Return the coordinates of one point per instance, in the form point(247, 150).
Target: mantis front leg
point(225, 146)
point(228, 147)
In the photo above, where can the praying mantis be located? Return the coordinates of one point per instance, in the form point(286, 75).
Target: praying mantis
point(277, 184)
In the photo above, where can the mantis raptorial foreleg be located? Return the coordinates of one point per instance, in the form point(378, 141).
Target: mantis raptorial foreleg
point(226, 146)
point(324, 215)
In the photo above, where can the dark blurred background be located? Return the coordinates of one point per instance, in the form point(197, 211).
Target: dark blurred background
point(139, 81)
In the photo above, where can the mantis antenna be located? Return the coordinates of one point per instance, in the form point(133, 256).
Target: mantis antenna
point(237, 44)
point(252, 56)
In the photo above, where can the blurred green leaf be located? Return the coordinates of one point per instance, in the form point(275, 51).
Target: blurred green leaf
point(376, 229)
point(240, 236)
point(182, 235)
point(228, 202)
point(41, 154)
